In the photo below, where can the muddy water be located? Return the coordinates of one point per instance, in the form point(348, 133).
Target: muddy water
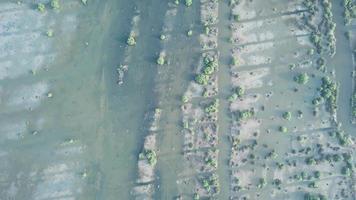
point(182, 55)
point(68, 131)
point(225, 88)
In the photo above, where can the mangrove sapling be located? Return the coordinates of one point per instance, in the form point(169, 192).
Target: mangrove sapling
point(240, 91)
point(206, 30)
point(41, 7)
point(205, 93)
point(343, 138)
point(151, 157)
point(212, 162)
point(49, 33)
point(185, 99)
point(328, 91)
point(287, 116)
point(55, 4)
point(348, 35)
point(353, 104)
point(212, 108)
point(283, 129)
point(277, 182)
point(162, 37)
point(317, 174)
point(243, 115)
point(302, 78)
point(236, 17)
point(176, 2)
point(196, 196)
point(261, 183)
point(233, 97)
point(234, 61)
point(189, 33)
point(206, 185)
point(310, 161)
point(85, 2)
point(160, 59)
point(347, 157)
point(346, 171)
point(317, 101)
point(131, 40)
point(202, 79)
point(312, 185)
point(188, 2)
point(309, 196)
